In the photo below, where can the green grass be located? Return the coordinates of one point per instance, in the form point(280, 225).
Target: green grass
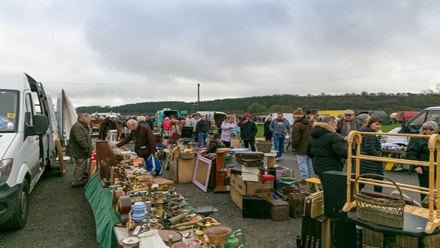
point(386, 128)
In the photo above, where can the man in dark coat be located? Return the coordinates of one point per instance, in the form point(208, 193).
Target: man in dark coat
point(80, 147)
point(325, 147)
point(248, 130)
point(202, 129)
point(302, 126)
point(143, 138)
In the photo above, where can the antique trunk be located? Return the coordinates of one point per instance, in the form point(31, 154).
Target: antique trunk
point(296, 202)
point(249, 156)
point(278, 210)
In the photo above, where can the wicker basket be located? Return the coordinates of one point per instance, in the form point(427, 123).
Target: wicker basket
point(264, 146)
point(382, 211)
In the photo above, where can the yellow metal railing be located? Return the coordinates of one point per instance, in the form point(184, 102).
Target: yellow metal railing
point(355, 137)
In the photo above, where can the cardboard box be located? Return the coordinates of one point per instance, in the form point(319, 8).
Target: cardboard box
point(182, 170)
point(251, 188)
point(278, 210)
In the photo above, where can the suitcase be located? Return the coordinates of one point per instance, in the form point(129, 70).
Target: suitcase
point(314, 205)
point(254, 206)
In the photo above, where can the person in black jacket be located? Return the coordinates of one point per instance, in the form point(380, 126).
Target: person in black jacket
point(267, 132)
point(248, 130)
point(418, 150)
point(202, 129)
point(371, 146)
point(215, 143)
point(325, 147)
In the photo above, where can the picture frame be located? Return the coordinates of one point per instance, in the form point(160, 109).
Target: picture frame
point(202, 172)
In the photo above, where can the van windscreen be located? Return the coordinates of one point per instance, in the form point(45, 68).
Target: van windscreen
point(8, 110)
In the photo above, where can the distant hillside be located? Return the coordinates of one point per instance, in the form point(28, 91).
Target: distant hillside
point(285, 103)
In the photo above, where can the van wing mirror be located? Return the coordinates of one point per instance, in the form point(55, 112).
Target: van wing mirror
point(41, 124)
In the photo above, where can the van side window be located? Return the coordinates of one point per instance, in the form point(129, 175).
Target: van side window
point(29, 110)
point(38, 109)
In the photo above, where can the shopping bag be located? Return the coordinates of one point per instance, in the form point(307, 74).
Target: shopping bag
point(153, 164)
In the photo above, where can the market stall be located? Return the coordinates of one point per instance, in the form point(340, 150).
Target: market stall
point(134, 207)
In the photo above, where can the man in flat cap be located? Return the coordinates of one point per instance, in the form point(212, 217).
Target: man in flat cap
point(348, 124)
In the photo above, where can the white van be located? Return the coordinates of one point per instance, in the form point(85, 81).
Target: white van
point(215, 117)
point(27, 144)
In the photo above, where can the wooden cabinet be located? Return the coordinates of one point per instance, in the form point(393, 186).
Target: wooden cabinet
point(105, 158)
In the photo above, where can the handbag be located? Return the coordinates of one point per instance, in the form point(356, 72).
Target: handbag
point(153, 164)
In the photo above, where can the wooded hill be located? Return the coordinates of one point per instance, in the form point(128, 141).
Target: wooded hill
point(285, 103)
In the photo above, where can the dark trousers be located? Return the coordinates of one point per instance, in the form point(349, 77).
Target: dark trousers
point(250, 143)
point(423, 182)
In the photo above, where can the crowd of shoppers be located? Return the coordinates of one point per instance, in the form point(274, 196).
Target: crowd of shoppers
point(319, 143)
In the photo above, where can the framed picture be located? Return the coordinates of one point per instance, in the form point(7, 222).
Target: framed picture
point(202, 172)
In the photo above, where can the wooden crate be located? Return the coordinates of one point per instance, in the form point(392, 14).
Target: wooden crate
point(182, 170)
point(236, 197)
point(251, 188)
point(238, 188)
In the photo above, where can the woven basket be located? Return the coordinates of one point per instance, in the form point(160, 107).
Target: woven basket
point(382, 211)
point(264, 146)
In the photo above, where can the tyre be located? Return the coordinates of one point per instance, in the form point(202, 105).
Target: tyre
point(21, 211)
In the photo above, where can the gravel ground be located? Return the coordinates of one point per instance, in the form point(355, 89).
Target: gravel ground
point(60, 216)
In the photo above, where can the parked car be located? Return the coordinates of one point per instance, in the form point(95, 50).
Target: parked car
point(403, 116)
point(381, 114)
point(428, 114)
point(398, 140)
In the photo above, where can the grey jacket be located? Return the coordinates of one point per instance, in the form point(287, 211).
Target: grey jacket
point(279, 128)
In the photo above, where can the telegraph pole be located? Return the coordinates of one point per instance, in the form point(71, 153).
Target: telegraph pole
point(198, 93)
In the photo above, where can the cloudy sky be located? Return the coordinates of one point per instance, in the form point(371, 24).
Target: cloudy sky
point(108, 52)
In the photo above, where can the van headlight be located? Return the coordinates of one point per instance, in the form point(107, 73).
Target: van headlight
point(5, 170)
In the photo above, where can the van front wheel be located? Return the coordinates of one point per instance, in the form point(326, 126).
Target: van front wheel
point(21, 211)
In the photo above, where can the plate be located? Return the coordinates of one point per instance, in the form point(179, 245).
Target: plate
point(164, 234)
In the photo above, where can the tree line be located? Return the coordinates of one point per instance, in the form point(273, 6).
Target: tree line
point(261, 105)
